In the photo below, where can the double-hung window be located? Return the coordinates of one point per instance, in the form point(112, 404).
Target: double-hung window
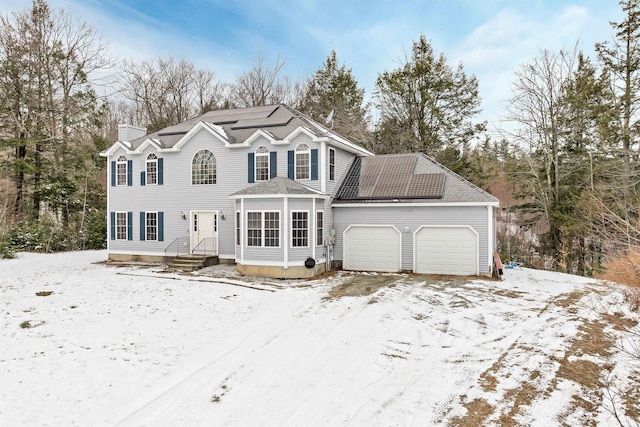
point(299, 229)
point(263, 229)
point(272, 229)
point(237, 227)
point(152, 169)
point(121, 226)
point(303, 162)
point(319, 228)
point(121, 171)
point(151, 221)
point(262, 163)
point(332, 164)
point(254, 228)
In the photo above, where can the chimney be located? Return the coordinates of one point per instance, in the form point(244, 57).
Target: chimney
point(128, 133)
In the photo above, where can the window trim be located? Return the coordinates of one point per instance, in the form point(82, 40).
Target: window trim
point(332, 164)
point(263, 229)
point(122, 161)
point(294, 229)
point(149, 161)
point(319, 228)
point(147, 227)
point(200, 172)
point(125, 226)
point(301, 151)
point(261, 154)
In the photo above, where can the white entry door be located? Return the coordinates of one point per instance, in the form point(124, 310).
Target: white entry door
point(204, 232)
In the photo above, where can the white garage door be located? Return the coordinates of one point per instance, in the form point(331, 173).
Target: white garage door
point(446, 250)
point(372, 248)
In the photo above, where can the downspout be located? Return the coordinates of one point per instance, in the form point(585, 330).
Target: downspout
point(242, 231)
point(313, 228)
point(491, 238)
point(108, 206)
point(323, 167)
point(285, 232)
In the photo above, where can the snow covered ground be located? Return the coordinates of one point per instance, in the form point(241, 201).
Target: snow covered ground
point(88, 344)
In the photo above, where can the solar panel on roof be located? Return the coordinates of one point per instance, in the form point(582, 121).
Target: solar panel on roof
point(427, 185)
point(390, 177)
point(391, 186)
point(232, 116)
point(367, 186)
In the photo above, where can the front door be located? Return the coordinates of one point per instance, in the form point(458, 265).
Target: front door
point(204, 232)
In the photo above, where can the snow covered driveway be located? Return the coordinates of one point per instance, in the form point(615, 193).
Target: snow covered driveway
point(89, 344)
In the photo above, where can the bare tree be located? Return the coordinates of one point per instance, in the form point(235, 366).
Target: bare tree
point(262, 85)
point(167, 91)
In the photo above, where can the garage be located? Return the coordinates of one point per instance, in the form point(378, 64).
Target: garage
point(372, 248)
point(446, 250)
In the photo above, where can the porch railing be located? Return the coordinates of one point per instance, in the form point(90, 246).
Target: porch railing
point(179, 246)
point(207, 246)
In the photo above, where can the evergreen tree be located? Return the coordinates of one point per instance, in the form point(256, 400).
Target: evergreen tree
point(620, 59)
point(48, 114)
point(334, 88)
point(427, 106)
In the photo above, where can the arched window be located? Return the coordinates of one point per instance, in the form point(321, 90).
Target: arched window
point(262, 163)
point(152, 169)
point(303, 161)
point(203, 168)
point(121, 171)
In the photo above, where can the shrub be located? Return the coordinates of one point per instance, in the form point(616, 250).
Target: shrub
point(623, 268)
point(6, 250)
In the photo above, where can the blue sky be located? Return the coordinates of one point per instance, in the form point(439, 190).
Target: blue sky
point(490, 37)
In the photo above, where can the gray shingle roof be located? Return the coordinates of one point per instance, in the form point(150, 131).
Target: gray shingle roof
point(406, 177)
point(277, 186)
point(239, 124)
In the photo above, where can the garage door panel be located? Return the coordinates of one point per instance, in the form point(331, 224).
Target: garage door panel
point(446, 250)
point(371, 248)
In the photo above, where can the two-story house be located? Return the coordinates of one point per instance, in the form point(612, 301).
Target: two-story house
point(278, 194)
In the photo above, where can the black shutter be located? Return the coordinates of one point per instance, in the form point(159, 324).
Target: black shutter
point(273, 164)
point(291, 165)
point(314, 164)
point(143, 227)
point(251, 168)
point(113, 226)
point(129, 173)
